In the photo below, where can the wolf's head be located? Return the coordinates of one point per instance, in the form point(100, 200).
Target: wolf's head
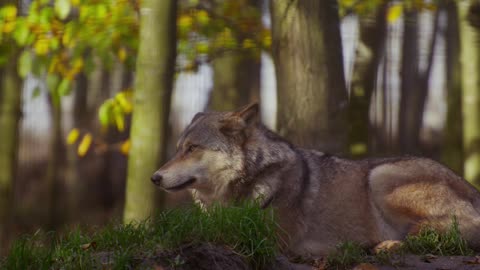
point(209, 152)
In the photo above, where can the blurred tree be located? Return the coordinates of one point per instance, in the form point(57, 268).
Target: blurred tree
point(10, 114)
point(469, 18)
point(153, 85)
point(414, 83)
point(81, 117)
point(369, 52)
point(236, 72)
point(230, 35)
point(236, 80)
point(411, 96)
point(307, 52)
point(55, 163)
point(452, 154)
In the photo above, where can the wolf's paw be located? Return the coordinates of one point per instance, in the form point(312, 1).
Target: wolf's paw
point(387, 246)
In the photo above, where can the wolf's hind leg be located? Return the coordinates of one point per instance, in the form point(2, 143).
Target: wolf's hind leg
point(407, 205)
point(434, 205)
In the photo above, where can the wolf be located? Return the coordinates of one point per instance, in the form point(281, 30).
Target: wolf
point(321, 200)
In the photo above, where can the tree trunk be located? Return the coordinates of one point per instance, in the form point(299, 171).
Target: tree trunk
point(470, 61)
point(10, 113)
point(370, 49)
point(236, 75)
point(452, 154)
point(236, 80)
point(307, 52)
point(73, 183)
point(414, 88)
point(153, 84)
point(55, 162)
point(105, 185)
point(409, 122)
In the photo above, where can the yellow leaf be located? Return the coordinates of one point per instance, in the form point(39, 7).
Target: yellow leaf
point(122, 54)
point(125, 147)
point(53, 64)
point(41, 47)
point(120, 122)
point(10, 12)
point(267, 40)
point(124, 102)
point(358, 148)
point(184, 23)
point(202, 17)
point(84, 145)
point(8, 27)
point(75, 3)
point(248, 43)
point(78, 63)
point(394, 12)
point(202, 47)
point(66, 38)
point(73, 136)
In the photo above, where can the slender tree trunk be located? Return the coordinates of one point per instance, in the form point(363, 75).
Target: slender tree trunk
point(408, 122)
point(470, 61)
point(55, 162)
point(113, 171)
point(153, 84)
point(452, 154)
point(307, 51)
point(105, 184)
point(370, 49)
point(81, 119)
point(10, 113)
point(414, 88)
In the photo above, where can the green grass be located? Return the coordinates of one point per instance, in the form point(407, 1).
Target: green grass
point(429, 241)
point(346, 255)
point(247, 229)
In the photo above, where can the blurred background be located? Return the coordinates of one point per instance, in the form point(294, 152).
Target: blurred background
point(94, 93)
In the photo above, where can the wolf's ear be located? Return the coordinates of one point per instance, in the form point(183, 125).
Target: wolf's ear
point(249, 113)
point(241, 119)
point(197, 116)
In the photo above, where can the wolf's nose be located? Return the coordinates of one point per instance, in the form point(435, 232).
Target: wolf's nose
point(156, 179)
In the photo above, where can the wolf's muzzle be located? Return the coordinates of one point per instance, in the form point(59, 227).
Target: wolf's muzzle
point(156, 179)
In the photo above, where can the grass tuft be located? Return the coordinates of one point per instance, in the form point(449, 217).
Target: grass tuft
point(346, 255)
point(245, 228)
point(249, 230)
point(430, 241)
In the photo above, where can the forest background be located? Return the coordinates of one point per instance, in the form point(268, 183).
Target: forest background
point(94, 93)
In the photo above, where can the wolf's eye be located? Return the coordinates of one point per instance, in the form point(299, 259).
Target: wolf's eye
point(191, 148)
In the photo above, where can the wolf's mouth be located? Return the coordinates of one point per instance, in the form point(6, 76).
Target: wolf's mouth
point(182, 185)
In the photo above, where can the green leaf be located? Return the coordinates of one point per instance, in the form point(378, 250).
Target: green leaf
point(101, 11)
point(46, 16)
point(25, 64)
point(89, 65)
point(64, 87)
point(52, 82)
point(55, 98)
point(62, 8)
point(39, 66)
point(3, 59)
point(21, 33)
point(36, 92)
point(54, 44)
point(104, 113)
